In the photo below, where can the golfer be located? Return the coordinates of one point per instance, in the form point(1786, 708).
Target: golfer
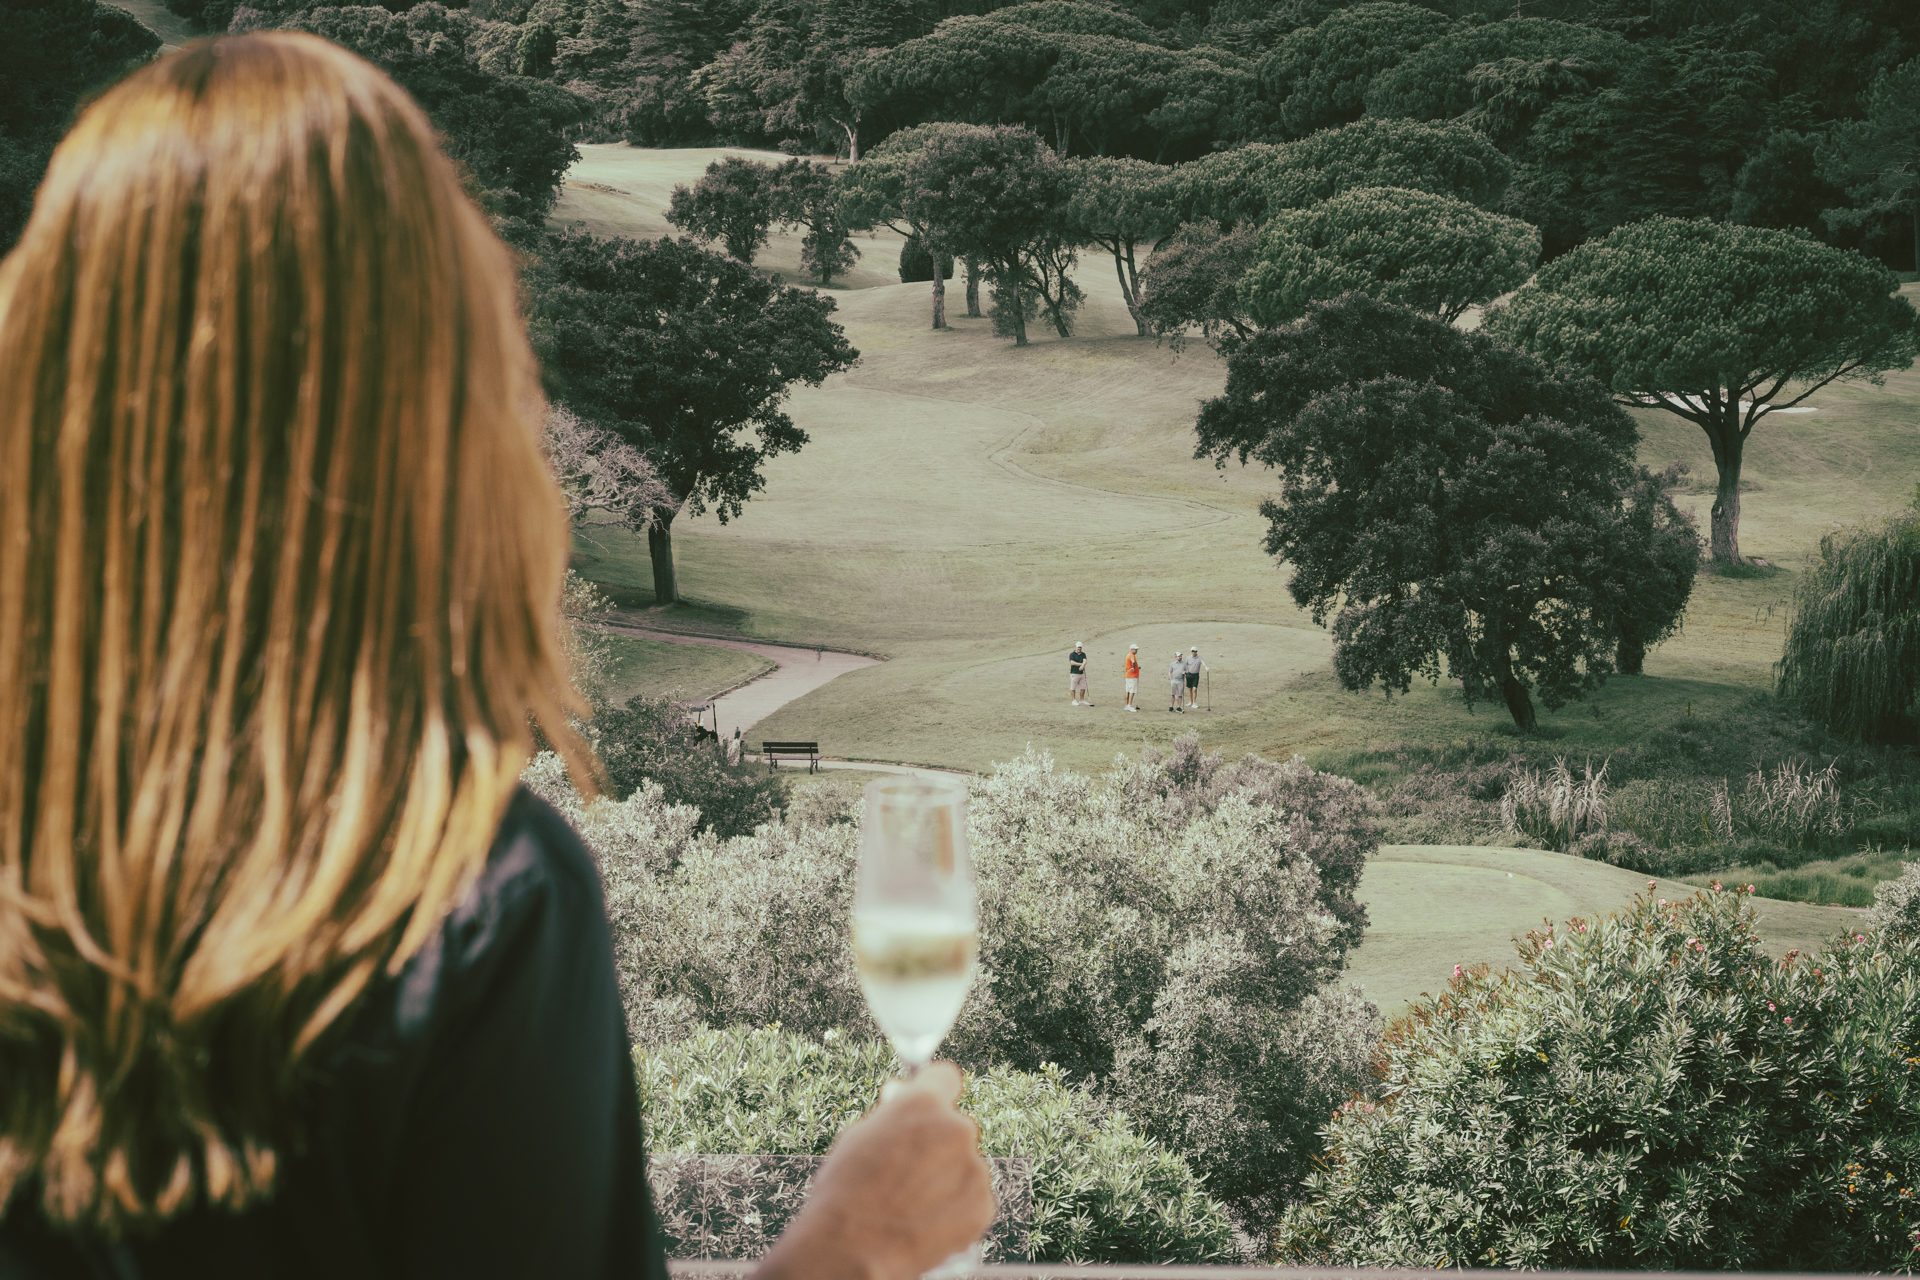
point(1176, 681)
point(1192, 667)
point(1133, 675)
point(1077, 675)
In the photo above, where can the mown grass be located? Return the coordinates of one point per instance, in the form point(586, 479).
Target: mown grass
point(968, 510)
point(659, 668)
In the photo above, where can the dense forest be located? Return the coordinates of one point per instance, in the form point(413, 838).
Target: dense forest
point(1780, 113)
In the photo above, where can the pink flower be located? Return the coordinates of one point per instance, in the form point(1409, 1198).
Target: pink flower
point(1663, 902)
point(1769, 1006)
point(1652, 883)
point(1789, 1021)
point(1456, 971)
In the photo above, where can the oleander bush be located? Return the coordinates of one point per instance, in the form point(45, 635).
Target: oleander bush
point(1103, 1192)
point(1649, 1090)
point(1896, 904)
point(653, 740)
point(1170, 933)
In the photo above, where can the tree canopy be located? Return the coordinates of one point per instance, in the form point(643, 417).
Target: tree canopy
point(684, 354)
point(1444, 159)
point(736, 202)
point(1319, 74)
point(55, 51)
point(995, 194)
point(1714, 324)
point(1877, 160)
point(1125, 207)
point(1445, 498)
point(1193, 280)
point(887, 188)
point(1429, 252)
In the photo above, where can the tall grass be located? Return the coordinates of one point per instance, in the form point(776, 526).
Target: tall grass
point(1555, 806)
point(1852, 659)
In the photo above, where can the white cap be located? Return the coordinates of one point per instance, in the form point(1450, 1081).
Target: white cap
point(1195, 649)
point(1132, 647)
point(1079, 644)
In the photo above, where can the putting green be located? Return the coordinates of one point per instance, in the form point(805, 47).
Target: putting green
point(1430, 907)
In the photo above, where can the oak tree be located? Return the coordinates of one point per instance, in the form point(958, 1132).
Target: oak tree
point(1453, 504)
point(684, 354)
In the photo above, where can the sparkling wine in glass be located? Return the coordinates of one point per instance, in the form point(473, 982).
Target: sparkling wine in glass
point(915, 921)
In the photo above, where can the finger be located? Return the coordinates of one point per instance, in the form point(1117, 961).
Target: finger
point(942, 1079)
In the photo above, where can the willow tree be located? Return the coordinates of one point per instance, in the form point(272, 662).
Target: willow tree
point(1852, 660)
point(1720, 325)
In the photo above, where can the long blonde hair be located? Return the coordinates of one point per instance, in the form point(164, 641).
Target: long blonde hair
point(279, 557)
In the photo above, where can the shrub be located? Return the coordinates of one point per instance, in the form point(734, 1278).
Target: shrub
point(916, 264)
point(1102, 1192)
point(652, 740)
point(1647, 1091)
point(1852, 658)
point(1160, 932)
point(1896, 904)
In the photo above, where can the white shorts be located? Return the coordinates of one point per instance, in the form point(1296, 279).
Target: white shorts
point(1133, 684)
point(1077, 682)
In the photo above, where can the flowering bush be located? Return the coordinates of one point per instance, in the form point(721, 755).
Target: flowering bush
point(1896, 904)
point(1102, 1192)
point(1649, 1091)
point(1166, 937)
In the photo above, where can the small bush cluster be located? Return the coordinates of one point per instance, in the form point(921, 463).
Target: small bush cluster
point(652, 740)
point(1896, 905)
point(1103, 1193)
point(1171, 933)
point(1650, 1090)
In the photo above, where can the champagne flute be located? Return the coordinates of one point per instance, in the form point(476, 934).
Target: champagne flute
point(916, 921)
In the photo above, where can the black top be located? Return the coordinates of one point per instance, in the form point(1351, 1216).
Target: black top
point(1077, 661)
point(480, 1118)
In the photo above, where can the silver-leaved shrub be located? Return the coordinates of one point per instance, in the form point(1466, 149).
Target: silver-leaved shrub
point(1102, 1192)
point(1646, 1091)
point(1170, 933)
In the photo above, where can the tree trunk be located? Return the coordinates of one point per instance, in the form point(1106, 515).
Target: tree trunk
point(852, 130)
point(1724, 537)
point(1519, 702)
point(666, 590)
point(1016, 306)
point(1130, 290)
point(973, 290)
point(1630, 655)
point(939, 290)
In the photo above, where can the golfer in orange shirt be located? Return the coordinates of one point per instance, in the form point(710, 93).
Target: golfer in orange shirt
point(1133, 675)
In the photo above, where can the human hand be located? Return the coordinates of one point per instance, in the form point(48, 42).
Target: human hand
point(903, 1189)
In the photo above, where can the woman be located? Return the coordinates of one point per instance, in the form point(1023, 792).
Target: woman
point(293, 979)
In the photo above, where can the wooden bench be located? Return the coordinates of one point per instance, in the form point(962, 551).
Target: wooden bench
point(772, 751)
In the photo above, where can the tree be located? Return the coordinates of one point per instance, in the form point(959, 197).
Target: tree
point(1877, 160)
point(996, 194)
point(1654, 549)
point(808, 197)
point(1714, 323)
point(1319, 75)
point(876, 192)
point(1123, 206)
point(605, 480)
point(1193, 279)
point(735, 203)
point(1431, 253)
point(55, 52)
point(1444, 159)
point(509, 131)
point(1852, 660)
point(1450, 497)
point(687, 356)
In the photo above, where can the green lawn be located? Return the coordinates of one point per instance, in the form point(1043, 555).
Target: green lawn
point(685, 672)
point(1431, 907)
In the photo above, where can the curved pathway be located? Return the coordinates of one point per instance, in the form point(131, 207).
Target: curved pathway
point(797, 673)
